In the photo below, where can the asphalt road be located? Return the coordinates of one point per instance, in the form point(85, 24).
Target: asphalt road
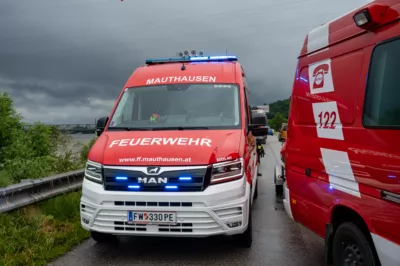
point(277, 240)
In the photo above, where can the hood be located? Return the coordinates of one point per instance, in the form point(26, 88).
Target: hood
point(188, 147)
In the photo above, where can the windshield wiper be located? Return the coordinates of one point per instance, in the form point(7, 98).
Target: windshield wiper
point(177, 128)
point(130, 128)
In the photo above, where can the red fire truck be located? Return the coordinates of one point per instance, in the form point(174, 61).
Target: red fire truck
point(342, 158)
point(177, 156)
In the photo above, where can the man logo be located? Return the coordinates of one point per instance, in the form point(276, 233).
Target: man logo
point(153, 180)
point(153, 170)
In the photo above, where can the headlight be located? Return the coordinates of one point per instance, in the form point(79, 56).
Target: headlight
point(227, 171)
point(93, 172)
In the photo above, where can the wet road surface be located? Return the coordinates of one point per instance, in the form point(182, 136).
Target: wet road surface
point(277, 240)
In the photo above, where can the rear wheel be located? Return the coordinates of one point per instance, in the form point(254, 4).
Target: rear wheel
point(351, 247)
point(103, 238)
point(279, 189)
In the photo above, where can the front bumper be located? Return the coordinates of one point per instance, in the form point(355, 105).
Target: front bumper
point(199, 214)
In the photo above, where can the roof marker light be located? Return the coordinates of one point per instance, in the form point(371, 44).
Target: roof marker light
point(373, 15)
point(185, 178)
point(362, 18)
point(171, 187)
point(121, 178)
point(134, 186)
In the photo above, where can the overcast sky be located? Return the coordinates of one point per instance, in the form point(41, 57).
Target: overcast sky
point(66, 61)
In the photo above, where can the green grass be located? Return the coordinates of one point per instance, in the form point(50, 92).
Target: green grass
point(42, 232)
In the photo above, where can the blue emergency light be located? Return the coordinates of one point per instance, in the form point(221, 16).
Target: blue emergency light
point(218, 58)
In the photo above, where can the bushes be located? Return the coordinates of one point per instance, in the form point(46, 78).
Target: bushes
point(38, 233)
point(277, 121)
point(32, 152)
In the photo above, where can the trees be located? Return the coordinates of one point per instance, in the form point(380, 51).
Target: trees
point(31, 151)
point(280, 106)
point(277, 121)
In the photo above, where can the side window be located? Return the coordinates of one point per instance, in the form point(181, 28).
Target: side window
point(123, 112)
point(382, 96)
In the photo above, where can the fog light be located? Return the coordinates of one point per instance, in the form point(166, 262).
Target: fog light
point(85, 221)
point(235, 224)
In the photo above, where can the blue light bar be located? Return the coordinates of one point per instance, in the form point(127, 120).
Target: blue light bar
point(185, 178)
point(219, 58)
point(134, 186)
point(171, 187)
point(121, 178)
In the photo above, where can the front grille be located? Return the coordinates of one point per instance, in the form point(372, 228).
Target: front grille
point(200, 179)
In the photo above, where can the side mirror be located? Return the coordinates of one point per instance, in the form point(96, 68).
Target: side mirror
point(258, 130)
point(100, 125)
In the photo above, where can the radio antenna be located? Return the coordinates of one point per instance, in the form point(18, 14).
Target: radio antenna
point(226, 51)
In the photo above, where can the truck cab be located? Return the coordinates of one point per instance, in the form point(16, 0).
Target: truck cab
point(342, 157)
point(177, 156)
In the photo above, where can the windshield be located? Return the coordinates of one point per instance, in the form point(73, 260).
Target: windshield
point(178, 106)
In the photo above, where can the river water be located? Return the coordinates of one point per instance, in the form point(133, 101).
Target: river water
point(78, 140)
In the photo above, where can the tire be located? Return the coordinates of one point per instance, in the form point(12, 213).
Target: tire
point(350, 244)
point(256, 191)
point(103, 238)
point(245, 240)
point(279, 189)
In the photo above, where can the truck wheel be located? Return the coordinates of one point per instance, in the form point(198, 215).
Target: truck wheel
point(245, 240)
point(103, 238)
point(279, 189)
point(256, 191)
point(351, 247)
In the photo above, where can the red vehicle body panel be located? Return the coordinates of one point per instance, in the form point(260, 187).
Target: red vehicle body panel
point(349, 164)
point(196, 147)
point(181, 147)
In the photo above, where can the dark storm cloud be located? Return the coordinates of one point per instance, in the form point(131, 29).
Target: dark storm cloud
point(66, 61)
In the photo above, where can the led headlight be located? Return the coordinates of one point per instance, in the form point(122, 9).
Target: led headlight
point(93, 172)
point(227, 171)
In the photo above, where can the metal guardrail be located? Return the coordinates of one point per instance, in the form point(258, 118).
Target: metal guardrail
point(30, 191)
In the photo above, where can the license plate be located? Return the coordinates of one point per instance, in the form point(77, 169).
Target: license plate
point(151, 217)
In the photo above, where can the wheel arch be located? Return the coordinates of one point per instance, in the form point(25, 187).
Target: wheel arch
point(338, 215)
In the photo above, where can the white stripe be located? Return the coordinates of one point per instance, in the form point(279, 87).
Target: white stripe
point(318, 38)
point(337, 166)
point(327, 120)
point(388, 252)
